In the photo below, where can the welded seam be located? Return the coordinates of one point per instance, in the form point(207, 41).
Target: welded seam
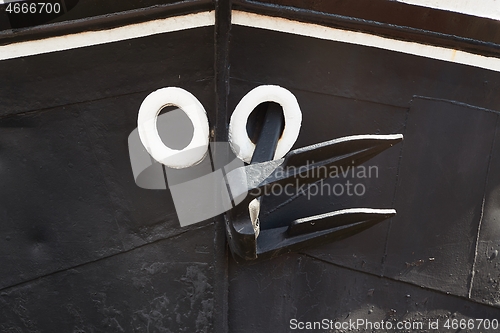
point(400, 159)
point(473, 273)
point(102, 258)
point(361, 99)
point(399, 281)
point(222, 29)
point(55, 107)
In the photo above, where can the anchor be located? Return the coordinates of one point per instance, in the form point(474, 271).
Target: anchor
point(248, 239)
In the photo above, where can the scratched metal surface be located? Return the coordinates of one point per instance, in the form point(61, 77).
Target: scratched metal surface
point(437, 180)
point(304, 288)
point(82, 249)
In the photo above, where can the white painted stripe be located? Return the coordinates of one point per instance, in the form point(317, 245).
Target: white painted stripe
point(482, 8)
point(202, 19)
point(83, 39)
point(359, 38)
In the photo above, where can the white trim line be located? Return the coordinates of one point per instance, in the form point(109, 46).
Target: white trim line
point(359, 38)
point(481, 8)
point(89, 38)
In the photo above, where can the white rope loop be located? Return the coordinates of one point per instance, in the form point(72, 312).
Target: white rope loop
point(148, 131)
point(241, 144)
